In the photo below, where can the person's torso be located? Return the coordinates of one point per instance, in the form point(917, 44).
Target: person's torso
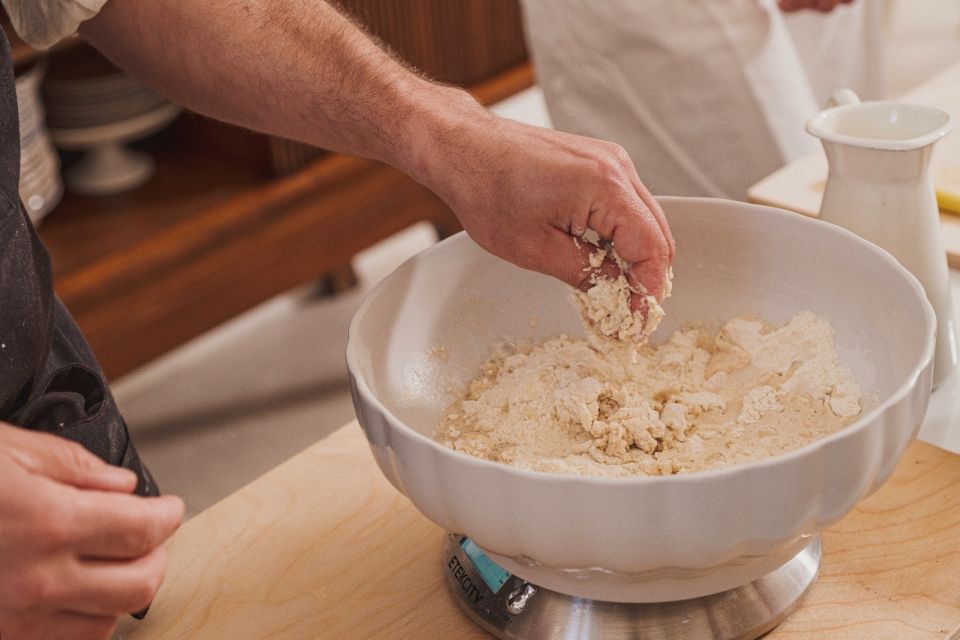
point(26, 301)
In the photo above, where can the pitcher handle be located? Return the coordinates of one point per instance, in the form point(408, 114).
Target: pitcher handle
point(841, 97)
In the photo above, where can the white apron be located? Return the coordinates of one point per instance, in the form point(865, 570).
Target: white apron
point(707, 96)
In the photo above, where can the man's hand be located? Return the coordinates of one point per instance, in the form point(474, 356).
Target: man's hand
point(526, 193)
point(824, 6)
point(76, 550)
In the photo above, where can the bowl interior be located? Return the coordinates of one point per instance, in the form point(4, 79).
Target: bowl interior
point(427, 328)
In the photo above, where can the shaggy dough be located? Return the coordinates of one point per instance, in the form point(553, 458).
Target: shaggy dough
point(605, 306)
point(606, 407)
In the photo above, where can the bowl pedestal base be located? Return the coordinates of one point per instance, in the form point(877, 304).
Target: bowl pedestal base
point(511, 608)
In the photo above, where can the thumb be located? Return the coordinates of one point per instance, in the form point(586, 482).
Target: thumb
point(66, 461)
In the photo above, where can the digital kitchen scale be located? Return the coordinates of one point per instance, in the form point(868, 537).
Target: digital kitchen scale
point(509, 607)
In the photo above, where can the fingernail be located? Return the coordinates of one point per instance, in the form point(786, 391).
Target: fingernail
point(180, 505)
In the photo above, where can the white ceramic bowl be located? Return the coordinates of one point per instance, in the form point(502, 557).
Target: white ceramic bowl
point(644, 539)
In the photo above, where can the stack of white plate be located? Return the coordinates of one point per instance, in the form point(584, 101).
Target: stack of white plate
point(40, 183)
point(96, 107)
point(84, 90)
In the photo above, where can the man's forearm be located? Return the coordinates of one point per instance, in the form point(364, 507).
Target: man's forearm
point(298, 69)
point(294, 68)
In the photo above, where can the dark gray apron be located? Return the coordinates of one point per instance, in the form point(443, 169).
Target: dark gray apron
point(49, 379)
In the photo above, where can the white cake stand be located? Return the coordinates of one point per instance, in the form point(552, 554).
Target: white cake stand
point(108, 166)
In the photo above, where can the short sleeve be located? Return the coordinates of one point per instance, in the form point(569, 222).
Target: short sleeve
point(42, 23)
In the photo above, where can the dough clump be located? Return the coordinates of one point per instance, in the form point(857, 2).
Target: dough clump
point(605, 306)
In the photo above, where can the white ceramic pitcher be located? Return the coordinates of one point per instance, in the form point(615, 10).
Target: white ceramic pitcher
point(879, 187)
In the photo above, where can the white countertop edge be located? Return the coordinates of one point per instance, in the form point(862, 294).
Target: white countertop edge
point(941, 427)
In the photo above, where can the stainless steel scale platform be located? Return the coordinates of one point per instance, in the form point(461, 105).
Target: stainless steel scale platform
point(511, 608)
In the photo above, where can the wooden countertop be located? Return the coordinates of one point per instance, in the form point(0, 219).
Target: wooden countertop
point(324, 547)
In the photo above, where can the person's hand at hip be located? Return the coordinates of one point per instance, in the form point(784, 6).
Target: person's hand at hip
point(77, 550)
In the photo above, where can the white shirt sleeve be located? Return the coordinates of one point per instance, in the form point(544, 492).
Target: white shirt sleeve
point(42, 23)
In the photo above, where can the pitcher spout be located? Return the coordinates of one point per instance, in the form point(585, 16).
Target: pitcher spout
point(890, 126)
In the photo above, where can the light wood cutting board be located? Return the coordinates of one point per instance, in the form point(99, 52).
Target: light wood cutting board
point(799, 185)
point(324, 547)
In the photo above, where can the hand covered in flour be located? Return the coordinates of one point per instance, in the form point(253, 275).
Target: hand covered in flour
point(824, 6)
point(76, 549)
point(526, 194)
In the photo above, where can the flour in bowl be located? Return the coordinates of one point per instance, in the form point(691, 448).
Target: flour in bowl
point(607, 407)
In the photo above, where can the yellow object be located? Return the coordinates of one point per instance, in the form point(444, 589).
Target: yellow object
point(948, 200)
point(946, 172)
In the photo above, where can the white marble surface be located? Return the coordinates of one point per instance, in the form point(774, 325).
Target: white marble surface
point(941, 427)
